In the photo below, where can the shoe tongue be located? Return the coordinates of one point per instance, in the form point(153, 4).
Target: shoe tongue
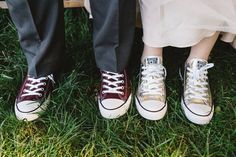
point(197, 63)
point(152, 60)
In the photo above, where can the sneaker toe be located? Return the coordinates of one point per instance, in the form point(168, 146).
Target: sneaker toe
point(151, 109)
point(152, 105)
point(202, 110)
point(111, 104)
point(28, 110)
point(27, 106)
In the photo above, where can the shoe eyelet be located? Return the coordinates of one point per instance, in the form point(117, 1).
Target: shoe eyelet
point(103, 93)
point(40, 95)
point(122, 75)
point(122, 87)
point(122, 93)
point(44, 84)
point(122, 81)
point(42, 89)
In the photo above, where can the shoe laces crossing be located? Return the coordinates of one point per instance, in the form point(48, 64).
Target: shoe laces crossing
point(36, 86)
point(198, 82)
point(152, 79)
point(112, 83)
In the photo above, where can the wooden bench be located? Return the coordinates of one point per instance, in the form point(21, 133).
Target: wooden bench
point(67, 4)
point(74, 4)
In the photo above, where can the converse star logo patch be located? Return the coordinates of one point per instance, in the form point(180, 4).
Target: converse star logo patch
point(152, 60)
point(200, 64)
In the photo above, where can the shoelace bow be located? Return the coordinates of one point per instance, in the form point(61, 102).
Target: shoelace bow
point(34, 86)
point(113, 83)
point(197, 82)
point(152, 79)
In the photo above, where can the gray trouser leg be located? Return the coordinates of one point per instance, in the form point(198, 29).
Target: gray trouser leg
point(114, 26)
point(40, 27)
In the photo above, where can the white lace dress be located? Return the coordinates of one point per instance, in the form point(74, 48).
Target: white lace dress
point(183, 23)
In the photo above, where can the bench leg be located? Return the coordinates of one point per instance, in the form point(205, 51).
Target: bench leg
point(40, 26)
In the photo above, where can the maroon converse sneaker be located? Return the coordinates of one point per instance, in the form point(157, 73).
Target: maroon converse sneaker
point(115, 94)
point(33, 97)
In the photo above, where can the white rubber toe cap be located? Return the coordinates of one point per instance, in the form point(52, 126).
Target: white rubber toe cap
point(114, 108)
point(151, 109)
point(112, 104)
point(29, 110)
point(198, 114)
point(202, 110)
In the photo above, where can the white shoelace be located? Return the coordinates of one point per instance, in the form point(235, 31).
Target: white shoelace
point(34, 85)
point(112, 86)
point(152, 79)
point(197, 83)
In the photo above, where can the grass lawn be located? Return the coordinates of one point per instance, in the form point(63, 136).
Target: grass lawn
point(72, 125)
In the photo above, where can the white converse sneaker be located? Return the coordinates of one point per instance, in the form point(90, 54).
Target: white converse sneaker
point(151, 94)
point(196, 99)
point(33, 97)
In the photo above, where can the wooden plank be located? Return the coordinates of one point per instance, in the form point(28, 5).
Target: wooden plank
point(73, 3)
point(67, 4)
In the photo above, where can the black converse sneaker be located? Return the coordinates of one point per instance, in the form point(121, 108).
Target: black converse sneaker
point(33, 97)
point(151, 94)
point(196, 99)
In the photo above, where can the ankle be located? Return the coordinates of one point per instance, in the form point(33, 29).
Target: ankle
point(151, 51)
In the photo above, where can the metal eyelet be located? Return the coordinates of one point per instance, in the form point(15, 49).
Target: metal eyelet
point(42, 89)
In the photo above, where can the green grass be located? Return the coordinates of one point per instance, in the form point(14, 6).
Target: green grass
point(72, 125)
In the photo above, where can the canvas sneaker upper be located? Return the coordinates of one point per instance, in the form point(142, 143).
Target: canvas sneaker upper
point(151, 93)
point(197, 98)
point(115, 94)
point(33, 97)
